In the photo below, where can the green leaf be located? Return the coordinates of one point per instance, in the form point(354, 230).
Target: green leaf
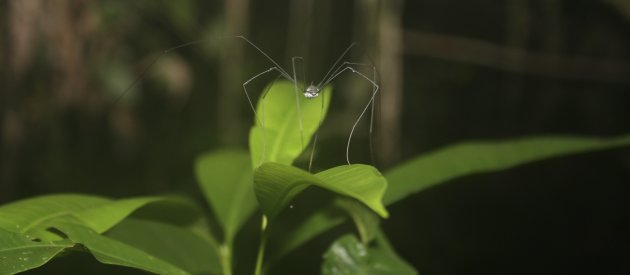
point(110, 251)
point(362, 182)
point(366, 221)
point(28, 216)
point(318, 222)
point(478, 157)
point(348, 256)
point(33, 216)
point(227, 183)
point(281, 140)
point(277, 184)
point(18, 253)
point(103, 217)
point(171, 243)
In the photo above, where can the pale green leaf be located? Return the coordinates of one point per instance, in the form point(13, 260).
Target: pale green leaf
point(227, 183)
point(281, 140)
point(277, 184)
point(171, 243)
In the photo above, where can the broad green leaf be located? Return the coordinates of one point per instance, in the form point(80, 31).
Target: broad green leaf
point(18, 253)
point(348, 256)
point(171, 243)
point(277, 184)
point(362, 182)
point(280, 140)
point(227, 183)
point(32, 217)
point(27, 216)
point(110, 251)
point(478, 157)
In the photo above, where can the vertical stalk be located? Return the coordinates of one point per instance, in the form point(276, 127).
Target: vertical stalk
point(225, 256)
point(261, 247)
point(236, 23)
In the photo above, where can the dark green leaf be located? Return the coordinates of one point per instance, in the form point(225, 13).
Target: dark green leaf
point(348, 256)
point(317, 223)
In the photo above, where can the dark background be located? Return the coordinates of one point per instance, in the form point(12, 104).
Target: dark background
point(449, 71)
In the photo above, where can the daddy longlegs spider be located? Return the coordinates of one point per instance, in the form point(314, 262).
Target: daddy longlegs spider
point(314, 90)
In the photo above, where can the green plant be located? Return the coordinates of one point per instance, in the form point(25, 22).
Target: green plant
point(170, 235)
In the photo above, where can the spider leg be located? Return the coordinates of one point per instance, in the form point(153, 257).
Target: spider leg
point(350, 66)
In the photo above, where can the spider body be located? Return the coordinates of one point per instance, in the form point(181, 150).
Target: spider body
point(312, 91)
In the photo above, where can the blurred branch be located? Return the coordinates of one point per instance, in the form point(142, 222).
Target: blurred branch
point(390, 62)
point(236, 20)
point(23, 27)
point(484, 53)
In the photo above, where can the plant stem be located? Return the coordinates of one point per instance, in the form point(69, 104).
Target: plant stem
point(226, 259)
point(261, 247)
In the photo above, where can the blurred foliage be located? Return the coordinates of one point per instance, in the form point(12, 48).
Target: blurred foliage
point(551, 66)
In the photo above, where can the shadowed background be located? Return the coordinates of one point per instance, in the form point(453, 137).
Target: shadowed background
point(449, 71)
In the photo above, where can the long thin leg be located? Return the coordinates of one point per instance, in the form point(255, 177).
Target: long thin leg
point(371, 132)
point(334, 66)
point(370, 102)
point(278, 67)
point(251, 104)
point(319, 126)
point(155, 60)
